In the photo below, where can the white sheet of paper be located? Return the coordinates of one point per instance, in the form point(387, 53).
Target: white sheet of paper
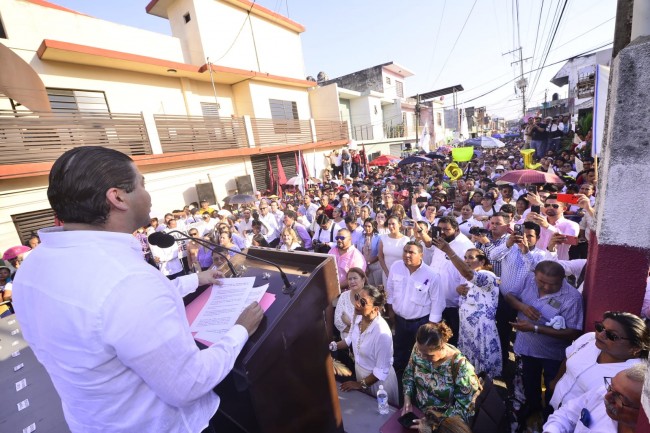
point(224, 305)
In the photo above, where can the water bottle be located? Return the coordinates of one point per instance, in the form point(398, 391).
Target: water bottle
point(382, 400)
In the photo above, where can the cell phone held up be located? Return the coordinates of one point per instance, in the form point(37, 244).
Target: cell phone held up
point(434, 232)
point(519, 230)
point(567, 198)
point(536, 209)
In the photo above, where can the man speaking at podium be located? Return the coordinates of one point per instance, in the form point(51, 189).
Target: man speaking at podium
point(109, 328)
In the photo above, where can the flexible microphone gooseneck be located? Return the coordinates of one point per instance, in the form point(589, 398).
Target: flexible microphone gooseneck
point(288, 287)
point(164, 240)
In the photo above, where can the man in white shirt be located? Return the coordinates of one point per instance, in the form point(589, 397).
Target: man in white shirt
point(414, 297)
point(245, 223)
point(613, 407)
point(308, 208)
point(111, 330)
point(270, 224)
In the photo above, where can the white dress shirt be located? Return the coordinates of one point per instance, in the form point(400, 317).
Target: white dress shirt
point(270, 224)
point(564, 226)
point(567, 418)
point(415, 295)
point(450, 278)
point(113, 335)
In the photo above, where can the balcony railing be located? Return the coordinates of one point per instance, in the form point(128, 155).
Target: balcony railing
point(38, 137)
point(27, 137)
point(198, 133)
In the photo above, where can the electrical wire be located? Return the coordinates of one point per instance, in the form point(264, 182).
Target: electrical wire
point(582, 34)
point(248, 14)
point(435, 43)
point(455, 42)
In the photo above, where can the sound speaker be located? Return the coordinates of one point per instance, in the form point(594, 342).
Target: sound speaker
point(244, 185)
point(205, 192)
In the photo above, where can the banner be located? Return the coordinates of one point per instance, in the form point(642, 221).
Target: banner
point(600, 106)
point(462, 154)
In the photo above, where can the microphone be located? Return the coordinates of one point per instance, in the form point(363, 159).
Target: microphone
point(169, 240)
point(164, 240)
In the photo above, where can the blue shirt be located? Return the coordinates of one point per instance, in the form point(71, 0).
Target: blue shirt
point(514, 265)
point(566, 302)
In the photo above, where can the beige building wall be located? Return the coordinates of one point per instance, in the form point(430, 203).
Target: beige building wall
point(324, 102)
point(27, 24)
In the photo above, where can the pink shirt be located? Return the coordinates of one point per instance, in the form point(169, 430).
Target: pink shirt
point(564, 226)
point(353, 258)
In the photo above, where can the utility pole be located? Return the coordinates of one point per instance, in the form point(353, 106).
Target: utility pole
point(522, 83)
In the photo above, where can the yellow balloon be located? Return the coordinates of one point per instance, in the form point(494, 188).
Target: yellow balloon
point(528, 159)
point(454, 171)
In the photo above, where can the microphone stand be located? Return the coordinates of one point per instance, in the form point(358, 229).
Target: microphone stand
point(211, 248)
point(288, 288)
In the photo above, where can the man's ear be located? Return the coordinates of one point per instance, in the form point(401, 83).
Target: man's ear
point(115, 198)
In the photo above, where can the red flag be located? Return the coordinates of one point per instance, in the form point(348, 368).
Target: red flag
point(282, 178)
point(270, 178)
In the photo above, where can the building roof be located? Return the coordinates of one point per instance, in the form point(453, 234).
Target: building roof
point(440, 92)
point(159, 8)
point(602, 57)
point(86, 55)
point(53, 6)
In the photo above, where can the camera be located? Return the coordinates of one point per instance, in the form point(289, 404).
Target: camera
point(408, 223)
point(519, 230)
point(478, 231)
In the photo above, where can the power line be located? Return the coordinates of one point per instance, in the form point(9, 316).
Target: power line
point(532, 70)
point(539, 22)
point(454, 46)
point(435, 43)
point(248, 15)
point(582, 34)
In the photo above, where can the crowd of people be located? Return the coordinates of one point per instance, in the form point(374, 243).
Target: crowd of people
point(442, 279)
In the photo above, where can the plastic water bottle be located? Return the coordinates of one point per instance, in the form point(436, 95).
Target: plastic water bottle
point(382, 400)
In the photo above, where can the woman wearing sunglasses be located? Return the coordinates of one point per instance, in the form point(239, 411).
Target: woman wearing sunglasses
point(620, 341)
point(372, 343)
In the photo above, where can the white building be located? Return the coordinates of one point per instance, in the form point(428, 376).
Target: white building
point(184, 120)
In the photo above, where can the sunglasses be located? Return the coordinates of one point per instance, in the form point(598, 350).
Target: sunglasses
point(339, 238)
point(608, 334)
point(553, 205)
point(362, 301)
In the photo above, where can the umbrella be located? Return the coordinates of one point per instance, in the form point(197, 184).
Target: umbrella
point(384, 160)
point(297, 181)
point(434, 155)
point(413, 160)
point(14, 252)
point(486, 142)
point(528, 176)
point(239, 199)
point(497, 136)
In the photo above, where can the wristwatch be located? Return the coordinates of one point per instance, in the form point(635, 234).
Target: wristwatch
point(364, 385)
point(536, 329)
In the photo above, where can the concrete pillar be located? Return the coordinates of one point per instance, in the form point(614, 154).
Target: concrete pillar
point(619, 252)
point(248, 127)
point(152, 132)
point(312, 127)
point(640, 19)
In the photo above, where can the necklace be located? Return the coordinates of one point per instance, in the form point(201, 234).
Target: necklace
point(362, 332)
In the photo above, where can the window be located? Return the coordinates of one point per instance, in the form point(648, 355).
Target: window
point(387, 80)
point(66, 100)
point(284, 113)
point(399, 88)
point(210, 109)
point(28, 223)
point(187, 17)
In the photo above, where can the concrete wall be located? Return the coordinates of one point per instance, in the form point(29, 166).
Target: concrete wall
point(27, 24)
point(261, 93)
point(361, 81)
point(390, 90)
point(275, 48)
point(324, 102)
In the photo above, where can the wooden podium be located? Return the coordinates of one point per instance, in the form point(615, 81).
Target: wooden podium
point(283, 381)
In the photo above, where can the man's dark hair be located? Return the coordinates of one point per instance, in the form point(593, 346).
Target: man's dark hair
point(509, 209)
point(291, 214)
point(322, 219)
point(350, 219)
point(503, 215)
point(417, 244)
point(449, 220)
point(550, 268)
point(80, 178)
point(529, 225)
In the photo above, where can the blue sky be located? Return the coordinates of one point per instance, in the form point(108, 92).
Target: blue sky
point(425, 36)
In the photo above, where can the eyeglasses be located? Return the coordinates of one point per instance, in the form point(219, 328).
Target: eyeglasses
point(362, 301)
point(340, 238)
point(608, 334)
point(618, 397)
point(553, 205)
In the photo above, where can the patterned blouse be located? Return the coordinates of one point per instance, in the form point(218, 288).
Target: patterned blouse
point(432, 386)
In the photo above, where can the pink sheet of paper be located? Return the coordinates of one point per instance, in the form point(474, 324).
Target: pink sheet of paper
point(194, 308)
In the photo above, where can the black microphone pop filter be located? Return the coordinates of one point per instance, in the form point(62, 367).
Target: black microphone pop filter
point(161, 240)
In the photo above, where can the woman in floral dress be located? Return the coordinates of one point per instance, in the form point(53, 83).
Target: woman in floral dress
point(478, 338)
